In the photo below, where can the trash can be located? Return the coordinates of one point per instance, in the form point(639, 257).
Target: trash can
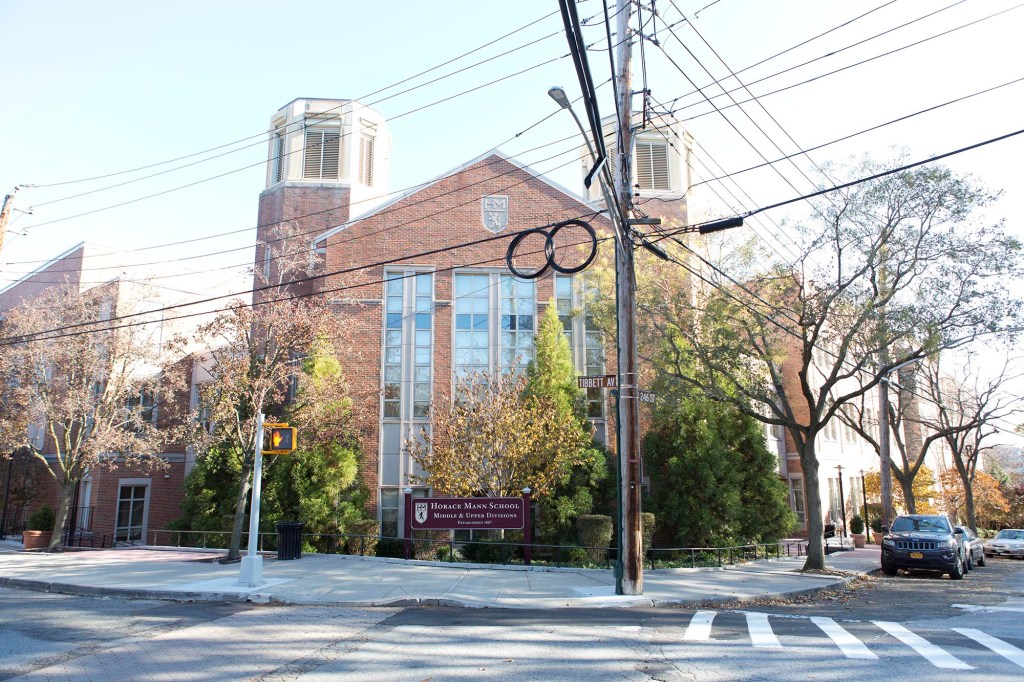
point(289, 539)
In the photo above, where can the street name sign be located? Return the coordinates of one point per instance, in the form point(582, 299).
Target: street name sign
point(468, 513)
point(646, 396)
point(600, 381)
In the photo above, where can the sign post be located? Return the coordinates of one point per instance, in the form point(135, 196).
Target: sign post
point(528, 527)
point(251, 571)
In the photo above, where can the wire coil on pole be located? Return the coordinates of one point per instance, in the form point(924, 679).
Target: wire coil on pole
point(549, 251)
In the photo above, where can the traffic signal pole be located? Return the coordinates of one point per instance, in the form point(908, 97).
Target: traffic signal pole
point(251, 572)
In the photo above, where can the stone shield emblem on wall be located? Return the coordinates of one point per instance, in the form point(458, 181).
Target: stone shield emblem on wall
point(421, 512)
point(494, 213)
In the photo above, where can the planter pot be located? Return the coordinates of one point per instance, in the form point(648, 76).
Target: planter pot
point(36, 539)
point(858, 539)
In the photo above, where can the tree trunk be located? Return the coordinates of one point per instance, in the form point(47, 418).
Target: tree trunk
point(908, 495)
point(67, 491)
point(234, 549)
point(969, 506)
point(815, 526)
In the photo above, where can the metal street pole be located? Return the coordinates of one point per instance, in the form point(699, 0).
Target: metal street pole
point(864, 494)
point(7, 495)
point(842, 499)
point(251, 572)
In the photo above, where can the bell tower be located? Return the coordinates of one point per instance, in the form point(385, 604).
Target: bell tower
point(327, 161)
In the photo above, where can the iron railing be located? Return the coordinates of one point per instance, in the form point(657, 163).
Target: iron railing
point(449, 550)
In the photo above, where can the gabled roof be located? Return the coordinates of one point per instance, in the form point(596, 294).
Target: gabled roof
point(319, 239)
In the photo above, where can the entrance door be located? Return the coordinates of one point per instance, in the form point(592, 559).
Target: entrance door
point(131, 513)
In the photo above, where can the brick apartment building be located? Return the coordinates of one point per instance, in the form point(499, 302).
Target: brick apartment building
point(125, 504)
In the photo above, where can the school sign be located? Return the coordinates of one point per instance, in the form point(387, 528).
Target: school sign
point(468, 513)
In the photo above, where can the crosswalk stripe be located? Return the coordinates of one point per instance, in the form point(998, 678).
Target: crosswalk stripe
point(847, 643)
point(932, 653)
point(761, 632)
point(1004, 649)
point(699, 629)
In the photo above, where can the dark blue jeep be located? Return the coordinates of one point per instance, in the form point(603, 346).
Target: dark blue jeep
point(925, 542)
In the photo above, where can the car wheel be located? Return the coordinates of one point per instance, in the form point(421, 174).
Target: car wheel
point(981, 560)
point(970, 562)
point(888, 570)
point(958, 571)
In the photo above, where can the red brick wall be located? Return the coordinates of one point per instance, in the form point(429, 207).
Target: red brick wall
point(447, 213)
point(67, 270)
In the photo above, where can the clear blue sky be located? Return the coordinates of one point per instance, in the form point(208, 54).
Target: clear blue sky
point(93, 89)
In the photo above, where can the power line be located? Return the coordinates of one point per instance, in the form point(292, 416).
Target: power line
point(38, 336)
point(318, 230)
point(866, 130)
point(262, 134)
point(263, 161)
point(838, 70)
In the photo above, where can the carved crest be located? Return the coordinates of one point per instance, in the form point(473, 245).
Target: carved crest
point(494, 213)
point(421, 512)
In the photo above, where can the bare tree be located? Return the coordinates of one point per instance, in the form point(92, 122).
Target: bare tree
point(898, 268)
point(254, 361)
point(86, 388)
point(965, 413)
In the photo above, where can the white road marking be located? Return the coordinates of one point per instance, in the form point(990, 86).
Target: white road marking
point(761, 632)
point(699, 629)
point(1004, 649)
point(972, 607)
point(847, 643)
point(935, 655)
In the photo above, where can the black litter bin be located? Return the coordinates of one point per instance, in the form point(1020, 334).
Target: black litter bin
point(289, 539)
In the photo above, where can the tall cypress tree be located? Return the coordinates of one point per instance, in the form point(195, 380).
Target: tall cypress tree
point(585, 489)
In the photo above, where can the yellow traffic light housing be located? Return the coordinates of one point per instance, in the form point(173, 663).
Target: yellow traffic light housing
point(283, 439)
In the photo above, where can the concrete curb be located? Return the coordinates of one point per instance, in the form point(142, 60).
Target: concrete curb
point(398, 602)
point(122, 592)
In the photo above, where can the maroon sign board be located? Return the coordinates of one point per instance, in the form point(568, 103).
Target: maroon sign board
point(468, 513)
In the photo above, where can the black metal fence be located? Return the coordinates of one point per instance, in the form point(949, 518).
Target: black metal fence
point(450, 550)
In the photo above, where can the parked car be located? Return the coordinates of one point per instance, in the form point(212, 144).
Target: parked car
point(925, 542)
point(1007, 542)
point(974, 546)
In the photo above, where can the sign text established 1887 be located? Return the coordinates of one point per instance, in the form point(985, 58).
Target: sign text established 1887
point(468, 513)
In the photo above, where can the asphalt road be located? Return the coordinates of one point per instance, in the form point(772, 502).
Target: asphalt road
point(903, 628)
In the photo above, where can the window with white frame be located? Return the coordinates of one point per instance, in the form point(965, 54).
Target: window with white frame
point(652, 168)
point(586, 341)
point(201, 408)
point(856, 495)
point(495, 324)
point(132, 509)
point(407, 383)
point(796, 499)
point(279, 158)
point(835, 507)
point(321, 153)
point(142, 409)
point(367, 138)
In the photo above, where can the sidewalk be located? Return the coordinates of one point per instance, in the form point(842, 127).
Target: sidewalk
point(187, 575)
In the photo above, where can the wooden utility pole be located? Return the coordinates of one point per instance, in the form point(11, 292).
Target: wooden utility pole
point(5, 215)
point(630, 539)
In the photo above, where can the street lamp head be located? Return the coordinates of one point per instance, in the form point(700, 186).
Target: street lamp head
point(557, 93)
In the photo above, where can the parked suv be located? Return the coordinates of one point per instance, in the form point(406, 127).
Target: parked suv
point(923, 541)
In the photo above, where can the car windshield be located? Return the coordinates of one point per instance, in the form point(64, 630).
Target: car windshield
point(1010, 535)
point(906, 524)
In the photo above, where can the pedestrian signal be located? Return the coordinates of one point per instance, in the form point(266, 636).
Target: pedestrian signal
point(282, 440)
